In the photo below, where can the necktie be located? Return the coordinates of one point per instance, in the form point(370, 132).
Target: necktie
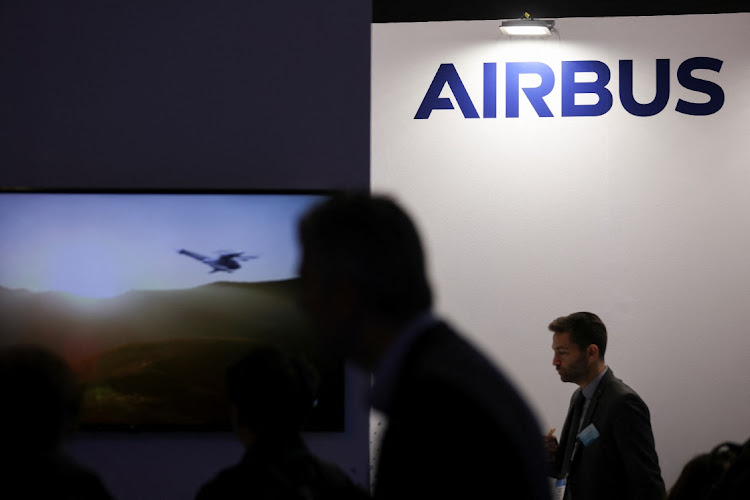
point(575, 421)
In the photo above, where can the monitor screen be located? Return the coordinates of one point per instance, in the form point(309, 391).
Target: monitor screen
point(150, 295)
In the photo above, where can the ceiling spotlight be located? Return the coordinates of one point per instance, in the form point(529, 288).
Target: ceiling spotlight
point(527, 27)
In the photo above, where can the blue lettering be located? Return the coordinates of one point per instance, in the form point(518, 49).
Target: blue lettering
point(626, 89)
point(446, 74)
point(535, 95)
point(490, 90)
point(687, 80)
point(570, 88)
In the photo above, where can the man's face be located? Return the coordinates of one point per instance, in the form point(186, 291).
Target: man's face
point(328, 304)
point(569, 360)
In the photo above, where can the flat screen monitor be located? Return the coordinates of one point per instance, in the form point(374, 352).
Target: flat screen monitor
point(150, 295)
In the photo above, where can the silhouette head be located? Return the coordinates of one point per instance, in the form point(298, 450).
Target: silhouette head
point(272, 392)
point(362, 262)
point(40, 399)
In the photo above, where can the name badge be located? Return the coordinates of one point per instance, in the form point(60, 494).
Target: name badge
point(588, 435)
point(560, 489)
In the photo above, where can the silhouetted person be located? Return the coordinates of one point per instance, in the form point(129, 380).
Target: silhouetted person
point(735, 482)
point(39, 397)
point(456, 427)
point(699, 476)
point(721, 474)
point(270, 395)
point(606, 448)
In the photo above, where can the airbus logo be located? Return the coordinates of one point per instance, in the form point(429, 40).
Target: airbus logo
point(570, 87)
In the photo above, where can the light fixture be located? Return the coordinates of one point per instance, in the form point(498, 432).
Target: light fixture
point(527, 27)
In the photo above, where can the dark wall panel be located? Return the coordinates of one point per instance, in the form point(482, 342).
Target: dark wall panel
point(184, 93)
point(226, 94)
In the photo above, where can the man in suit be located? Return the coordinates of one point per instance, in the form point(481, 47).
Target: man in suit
point(456, 427)
point(606, 448)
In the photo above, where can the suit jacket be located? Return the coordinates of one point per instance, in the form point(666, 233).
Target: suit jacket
point(458, 429)
point(621, 464)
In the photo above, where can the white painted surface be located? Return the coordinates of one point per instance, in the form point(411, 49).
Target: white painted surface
point(643, 220)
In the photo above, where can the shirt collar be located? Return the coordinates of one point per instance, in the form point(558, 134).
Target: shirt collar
point(386, 373)
point(590, 389)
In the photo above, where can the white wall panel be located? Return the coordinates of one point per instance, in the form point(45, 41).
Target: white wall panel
point(643, 220)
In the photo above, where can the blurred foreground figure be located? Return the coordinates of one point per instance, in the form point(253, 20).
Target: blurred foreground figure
point(456, 427)
point(722, 474)
point(270, 395)
point(39, 398)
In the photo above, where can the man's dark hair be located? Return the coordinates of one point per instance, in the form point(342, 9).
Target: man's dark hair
point(721, 474)
point(734, 482)
point(273, 391)
point(371, 240)
point(699, 477)
point(40, 398)
point(585, 328)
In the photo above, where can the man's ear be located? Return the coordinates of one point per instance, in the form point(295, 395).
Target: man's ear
point(593, 351)
point(246, 436)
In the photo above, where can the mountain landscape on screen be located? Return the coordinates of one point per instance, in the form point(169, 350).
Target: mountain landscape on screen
point(156, 359)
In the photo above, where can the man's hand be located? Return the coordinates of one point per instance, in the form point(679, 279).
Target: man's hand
point(550, 446)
